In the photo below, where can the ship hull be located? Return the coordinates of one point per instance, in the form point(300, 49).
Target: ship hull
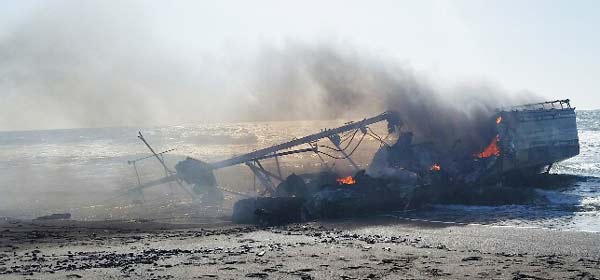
point(530, 140)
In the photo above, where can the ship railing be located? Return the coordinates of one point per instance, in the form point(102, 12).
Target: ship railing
point(547, 105)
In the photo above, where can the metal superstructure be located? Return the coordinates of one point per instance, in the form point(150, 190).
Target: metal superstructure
point(200, 174)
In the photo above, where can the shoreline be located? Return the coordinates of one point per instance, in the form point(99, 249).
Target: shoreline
point(363, 248)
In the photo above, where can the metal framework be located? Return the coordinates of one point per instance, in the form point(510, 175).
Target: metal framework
point(252, 159)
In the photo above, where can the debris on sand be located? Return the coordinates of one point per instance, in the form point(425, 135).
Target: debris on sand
point(324, 199)
point(56, 216)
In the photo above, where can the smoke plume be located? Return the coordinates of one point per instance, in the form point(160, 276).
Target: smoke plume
point(89, 65)
point(323, 81)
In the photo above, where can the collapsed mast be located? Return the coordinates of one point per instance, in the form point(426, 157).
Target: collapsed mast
point(199, 174)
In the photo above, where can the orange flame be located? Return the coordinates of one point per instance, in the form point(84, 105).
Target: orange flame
point(498, 119)
point(348, 180)
point(491, 149)
point(435, 167)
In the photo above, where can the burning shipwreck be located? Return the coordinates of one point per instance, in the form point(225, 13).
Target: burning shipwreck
point(524, 141)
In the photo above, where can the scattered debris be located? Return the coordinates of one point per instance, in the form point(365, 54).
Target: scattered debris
point(57, 216)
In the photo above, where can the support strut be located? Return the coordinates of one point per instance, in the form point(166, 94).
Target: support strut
point(262, 176)
point(335, 139)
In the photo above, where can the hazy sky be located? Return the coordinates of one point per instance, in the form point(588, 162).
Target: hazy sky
point(547, 47)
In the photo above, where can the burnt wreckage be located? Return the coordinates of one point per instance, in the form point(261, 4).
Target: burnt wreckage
point(526, 140)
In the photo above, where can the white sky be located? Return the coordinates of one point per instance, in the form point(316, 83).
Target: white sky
point(548, 47)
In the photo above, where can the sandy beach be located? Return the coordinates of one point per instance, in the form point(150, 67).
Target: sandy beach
point(379, 247)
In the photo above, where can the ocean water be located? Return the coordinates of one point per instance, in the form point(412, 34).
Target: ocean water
point(81, 171)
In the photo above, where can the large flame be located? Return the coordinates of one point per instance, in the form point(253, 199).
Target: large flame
point(498, 119)
point(348, 180)
point(435, 167)
point(491, 149)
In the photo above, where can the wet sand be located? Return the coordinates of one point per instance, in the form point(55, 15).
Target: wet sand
point(368, 248)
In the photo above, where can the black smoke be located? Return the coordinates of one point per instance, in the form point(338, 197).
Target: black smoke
point(323, 81)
